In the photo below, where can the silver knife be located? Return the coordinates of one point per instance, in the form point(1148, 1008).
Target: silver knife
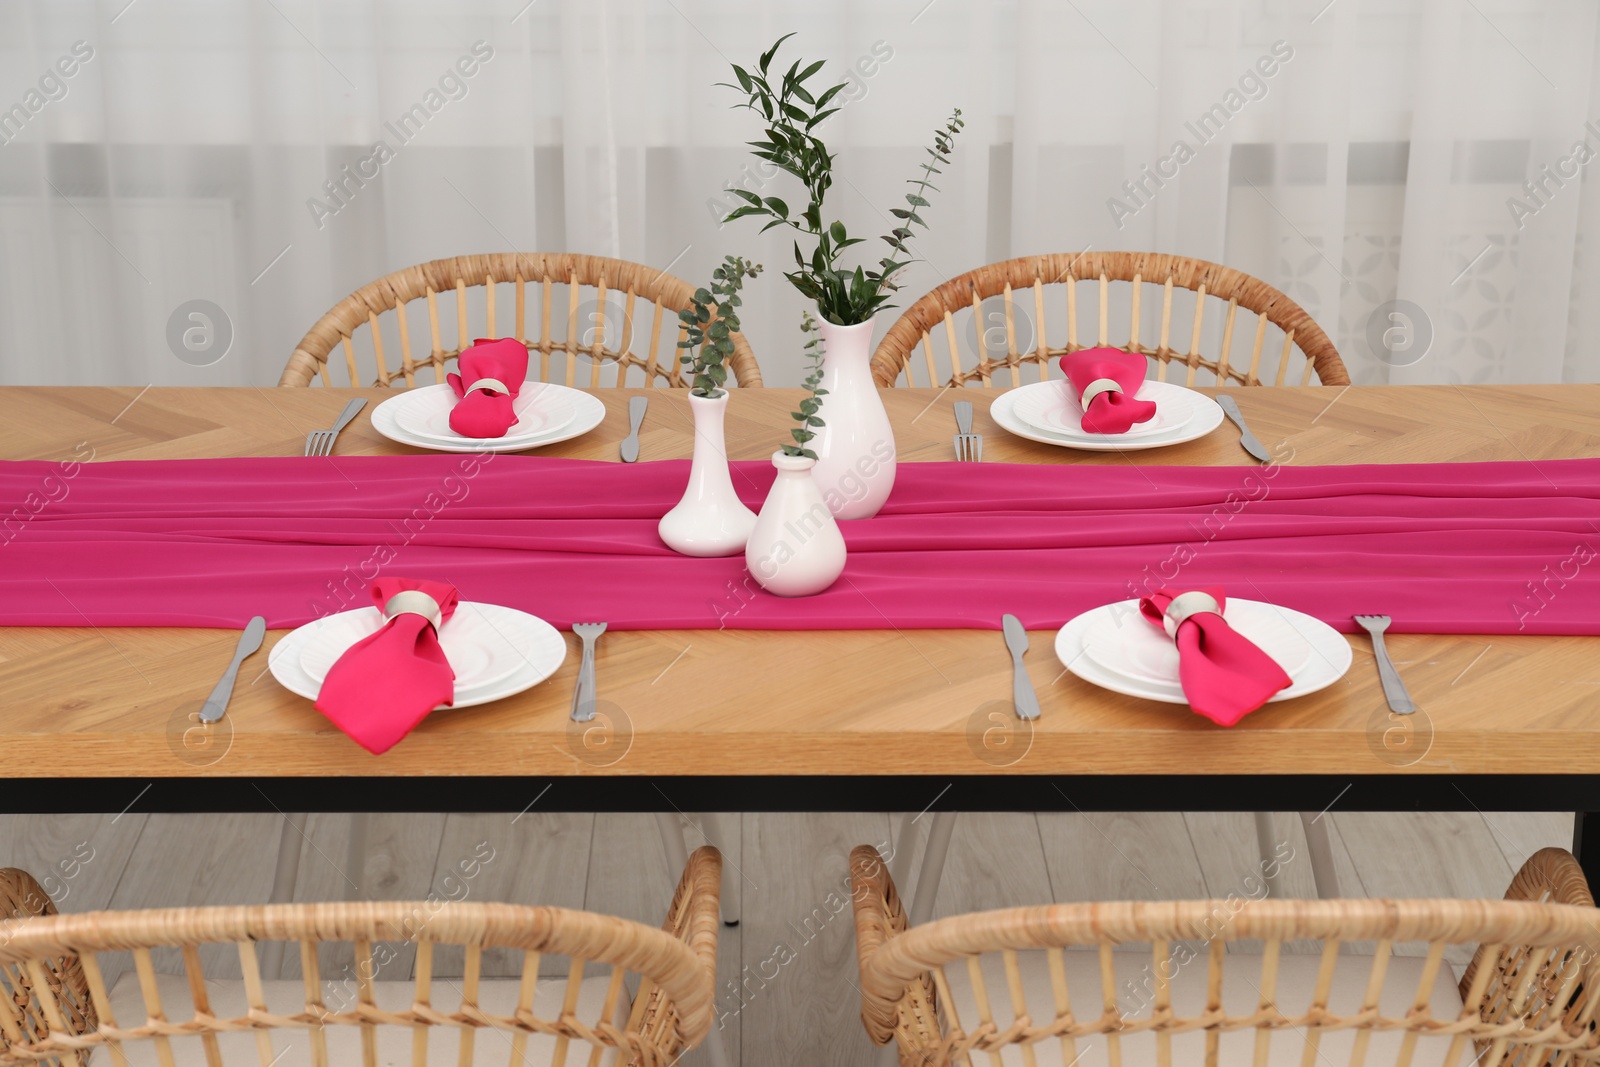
point(630, 444)
point(1022, 694)
point(249, 641)
point(1247, 440)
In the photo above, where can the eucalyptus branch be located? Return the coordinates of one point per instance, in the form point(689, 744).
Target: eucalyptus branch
point(710, 324)
point(792, 113)
point(807, 416)
point(943, 143)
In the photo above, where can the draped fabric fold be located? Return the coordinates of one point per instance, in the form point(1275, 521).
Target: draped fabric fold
point(1414, 173)
point(1443, 548)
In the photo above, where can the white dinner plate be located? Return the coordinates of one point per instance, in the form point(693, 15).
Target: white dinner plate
point(483, 643)
point(1330, 655)
point(1135, 649)
point(545, 647)
point(542, 410)
point(589, 412)
point(1207, 417)
point(1053, 406)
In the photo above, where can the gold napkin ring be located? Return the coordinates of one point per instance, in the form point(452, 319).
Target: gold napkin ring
point(488, 383)
point(1194, 602)
point(1095, 388)
point(415, 602)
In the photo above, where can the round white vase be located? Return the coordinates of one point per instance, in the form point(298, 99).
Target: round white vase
point(710, 520)
point(855, 444)
point(796, 548)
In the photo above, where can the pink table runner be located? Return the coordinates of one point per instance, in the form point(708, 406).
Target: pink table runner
point(1443, 548)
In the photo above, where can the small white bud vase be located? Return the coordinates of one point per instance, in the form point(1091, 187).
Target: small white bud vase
point(796, 548)
point(855, 444)
point(710, 520)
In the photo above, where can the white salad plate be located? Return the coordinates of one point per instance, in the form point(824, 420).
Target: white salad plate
point(1052, 406)
point(1205, 416)
point(588, 412)
point(496, 652)
point(1116, 648)
point(542, 410)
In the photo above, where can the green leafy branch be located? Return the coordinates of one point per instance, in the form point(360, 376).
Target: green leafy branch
point(943, 144)
point(807, 416)
point(710, 324)
point(791, 113)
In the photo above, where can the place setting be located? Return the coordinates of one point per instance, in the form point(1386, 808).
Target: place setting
point(1225, 657)
point(1105, 403)
point(487, 405)
point(377, 671)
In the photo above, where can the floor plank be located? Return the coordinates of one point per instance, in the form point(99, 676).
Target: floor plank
point(1522, 833)
point(995, 861)
point(1225, 843)
point(402, 850)
point(76, 859)
point(196, 860)
point(530, 858)
point(1120, 856)
point(1230, 860)
point(800, 999)
point(1425, 854)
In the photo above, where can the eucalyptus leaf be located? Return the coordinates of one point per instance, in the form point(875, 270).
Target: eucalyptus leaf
point(711, 321)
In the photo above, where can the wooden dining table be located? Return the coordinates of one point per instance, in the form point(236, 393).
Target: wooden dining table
point(103, 719)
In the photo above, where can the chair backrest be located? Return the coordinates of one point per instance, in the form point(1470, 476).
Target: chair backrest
point(977, 342)
point(958, 990)
point(596, 319)
point(624, 992)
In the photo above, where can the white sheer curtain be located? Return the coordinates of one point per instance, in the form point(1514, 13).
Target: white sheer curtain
point(1354, 153)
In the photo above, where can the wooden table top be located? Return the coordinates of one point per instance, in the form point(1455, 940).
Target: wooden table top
point(92, 702)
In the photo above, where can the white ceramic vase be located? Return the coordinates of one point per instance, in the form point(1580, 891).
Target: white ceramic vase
point(796, 548)
point(710, 520)
point(855, 445)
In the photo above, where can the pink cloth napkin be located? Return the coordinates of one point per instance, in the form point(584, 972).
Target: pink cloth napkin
point(1223, 673)
point(1444, 548)
point(488, 412)
point(385, 684)
point(1110, 411)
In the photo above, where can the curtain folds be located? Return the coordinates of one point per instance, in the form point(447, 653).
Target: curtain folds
point(186, 185)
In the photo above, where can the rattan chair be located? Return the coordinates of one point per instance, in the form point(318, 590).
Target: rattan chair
point(1148, 274)
point(1212, 981)
point(931, 324)
point(631, 993)
point(603, 324)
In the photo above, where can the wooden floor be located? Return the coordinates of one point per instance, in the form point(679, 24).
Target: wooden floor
point(788, 869)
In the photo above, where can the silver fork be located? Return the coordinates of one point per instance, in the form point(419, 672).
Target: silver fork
point(1394, 690)
point(969, 445)
point(320, 442)
point(583, 697)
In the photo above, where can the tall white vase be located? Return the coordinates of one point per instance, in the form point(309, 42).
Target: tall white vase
point(796, 548)
point(710, 520)
point(855, 445)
